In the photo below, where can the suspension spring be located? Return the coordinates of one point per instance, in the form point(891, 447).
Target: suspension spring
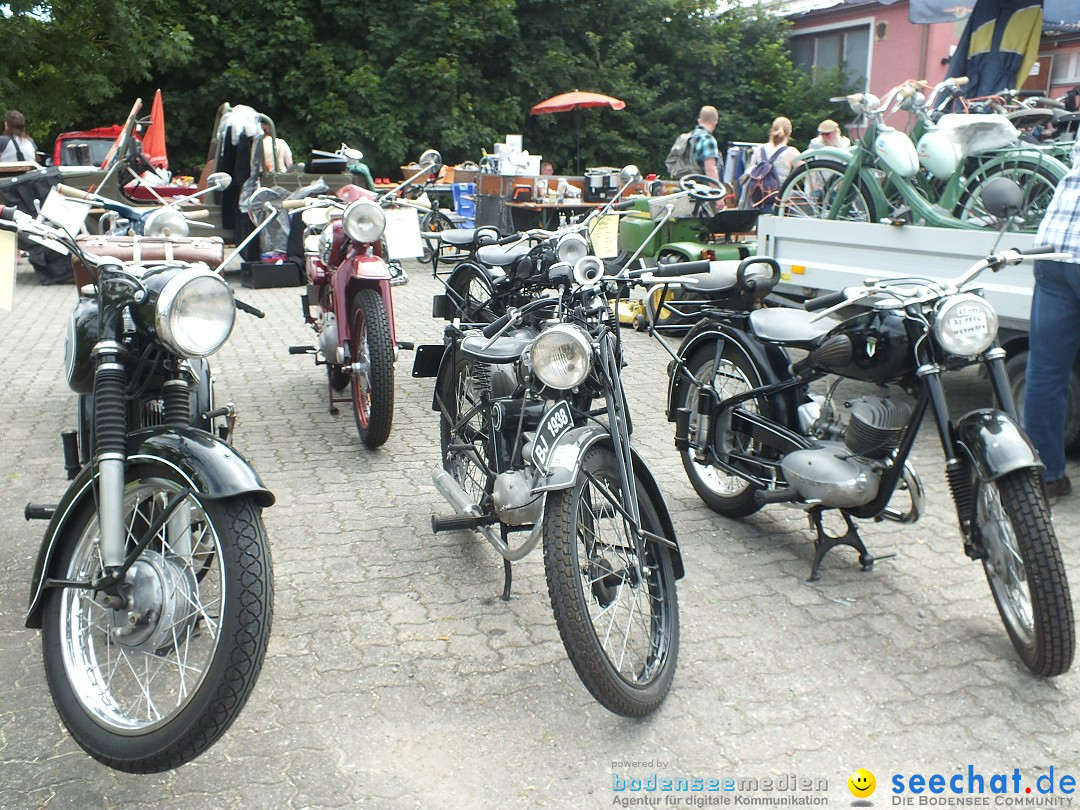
point(963, 493)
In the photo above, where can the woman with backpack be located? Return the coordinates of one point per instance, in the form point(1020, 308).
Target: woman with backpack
point(15, 144)
point(770, 165)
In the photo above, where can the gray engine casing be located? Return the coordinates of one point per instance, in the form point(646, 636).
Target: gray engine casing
point(831, 476)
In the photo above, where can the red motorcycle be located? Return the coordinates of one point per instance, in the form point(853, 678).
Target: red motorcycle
point(345, 256)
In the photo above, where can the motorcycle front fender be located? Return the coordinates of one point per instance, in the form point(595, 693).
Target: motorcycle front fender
point(212, 469)
point(995, 444)
point(564, 463)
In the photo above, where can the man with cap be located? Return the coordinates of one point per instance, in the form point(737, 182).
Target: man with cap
point(828, 134)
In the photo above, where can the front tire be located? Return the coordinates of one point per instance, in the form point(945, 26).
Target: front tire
point(372, 349)
point(620, 632)
point(150, 686)
point(1024, 568)
point(725, 493)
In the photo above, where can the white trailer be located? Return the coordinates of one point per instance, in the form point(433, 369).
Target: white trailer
point(822, 256)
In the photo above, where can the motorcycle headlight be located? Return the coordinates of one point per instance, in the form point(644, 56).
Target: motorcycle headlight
point(965, 325)
point(571, 247)
point(363, 221)
point(562, 357)
point(195, 313)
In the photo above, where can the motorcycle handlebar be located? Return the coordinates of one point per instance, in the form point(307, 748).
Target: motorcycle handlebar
point(496, 326)
point(77, 193)
point(290, 205)
point(825, 301)
point(625, 205)
point(681, 269)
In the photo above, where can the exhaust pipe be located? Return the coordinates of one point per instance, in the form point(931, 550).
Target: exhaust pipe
point(915, 492)
point(454, 494)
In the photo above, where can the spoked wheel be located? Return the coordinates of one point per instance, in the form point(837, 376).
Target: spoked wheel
point(1037, 183)
point(433, 222)
point(813, 191)
point(373, 370)
point(471, 291)
point(725, 493)
point(150, 685)
point(464, 434)
point(1024, 568)
point(614, 601)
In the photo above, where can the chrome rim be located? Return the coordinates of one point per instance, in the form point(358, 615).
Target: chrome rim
point(1004, 566)
point(728, 382)
point(133, 669)
point(626, 598)
point(812, 194)
point(466, 453)
point(361, 379)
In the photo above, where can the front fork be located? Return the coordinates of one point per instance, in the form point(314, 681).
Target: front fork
point(110, 434)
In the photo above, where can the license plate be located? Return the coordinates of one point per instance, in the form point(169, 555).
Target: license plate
point(553, 425)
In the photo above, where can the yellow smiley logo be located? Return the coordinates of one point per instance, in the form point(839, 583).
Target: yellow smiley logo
point(861, 783)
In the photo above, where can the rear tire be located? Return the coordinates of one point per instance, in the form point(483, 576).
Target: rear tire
point(724, 493)
point(472, 293)
point(811, 192)
point(1024, 568)
point(373, 392)
point(621, 634)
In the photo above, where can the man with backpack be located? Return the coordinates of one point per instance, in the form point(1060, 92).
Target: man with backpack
point(696, 152)
point(770, 165)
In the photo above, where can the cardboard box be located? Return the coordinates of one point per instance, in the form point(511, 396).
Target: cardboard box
point(258, 275)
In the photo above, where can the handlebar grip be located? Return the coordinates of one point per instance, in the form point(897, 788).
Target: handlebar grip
point(197, 213)
point(78, 193)
point(493, 328)
point(625, 205)
point(249, 309)
point(506, 240)
point(960, 81)
point(1037, 250)
point(683, 268)
point(825, 301)
point(290, 205)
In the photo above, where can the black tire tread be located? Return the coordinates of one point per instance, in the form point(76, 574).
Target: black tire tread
point(1055, 633)
point(239, 660)
point(381, 376)
point(571, 616)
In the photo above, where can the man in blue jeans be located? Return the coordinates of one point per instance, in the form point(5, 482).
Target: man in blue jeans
point(1055, 331)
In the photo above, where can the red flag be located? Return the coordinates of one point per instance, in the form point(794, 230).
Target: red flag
point(153, 144)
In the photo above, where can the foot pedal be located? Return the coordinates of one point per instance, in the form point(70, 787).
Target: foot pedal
point(302, 350)
point(782, 495)
point(453, 523)
point(406, 345)
point(70, 441)
point(39, 511)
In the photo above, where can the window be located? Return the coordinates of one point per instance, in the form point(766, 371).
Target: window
point(828, 50)
point(1066, 67)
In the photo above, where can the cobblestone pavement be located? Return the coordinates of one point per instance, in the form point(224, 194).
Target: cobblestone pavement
point(396, 677)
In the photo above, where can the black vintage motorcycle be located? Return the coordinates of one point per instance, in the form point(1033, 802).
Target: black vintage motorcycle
point(153, 585)
point(750, 432)
point(535, 437)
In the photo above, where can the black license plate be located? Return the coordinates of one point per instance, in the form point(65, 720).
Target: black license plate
point(553, 425)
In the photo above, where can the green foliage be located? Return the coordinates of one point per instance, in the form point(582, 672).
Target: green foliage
point(393, 77)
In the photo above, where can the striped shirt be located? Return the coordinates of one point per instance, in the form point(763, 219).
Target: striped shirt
point(1060, 227)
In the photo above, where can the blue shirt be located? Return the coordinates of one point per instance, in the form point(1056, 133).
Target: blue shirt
point(704, 147)
point(1060, 227)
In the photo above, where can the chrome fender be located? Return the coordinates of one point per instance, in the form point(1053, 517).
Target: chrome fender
point(995, 444)
point(212, 468)
point(564, 467)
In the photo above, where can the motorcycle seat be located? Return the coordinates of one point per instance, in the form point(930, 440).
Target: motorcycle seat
point(462, 237)
point(500, 256)
point(505, 349)
point(789, 327)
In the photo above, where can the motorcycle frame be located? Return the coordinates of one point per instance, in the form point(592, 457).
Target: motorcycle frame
point(968, 445)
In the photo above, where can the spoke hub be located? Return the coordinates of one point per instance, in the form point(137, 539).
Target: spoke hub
point(158, 594)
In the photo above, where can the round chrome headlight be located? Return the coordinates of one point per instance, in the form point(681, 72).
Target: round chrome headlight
point(571, 247)
point(363, 221)
point(562, 357)
point(195, 313)
point(166, 222)
point(965, 325)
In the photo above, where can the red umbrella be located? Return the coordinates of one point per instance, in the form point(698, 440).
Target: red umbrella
point(565, 102)
point(153, 144)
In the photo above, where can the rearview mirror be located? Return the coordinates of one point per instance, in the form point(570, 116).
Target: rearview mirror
point(1002, 197)
point(431, 157)
point(221, 180)
point(629, 174)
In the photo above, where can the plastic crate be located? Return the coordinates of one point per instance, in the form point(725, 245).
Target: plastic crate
point(465, 201)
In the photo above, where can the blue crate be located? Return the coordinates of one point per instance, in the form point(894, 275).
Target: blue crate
point(465, 203)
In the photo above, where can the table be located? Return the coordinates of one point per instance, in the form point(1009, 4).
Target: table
point(549, 212)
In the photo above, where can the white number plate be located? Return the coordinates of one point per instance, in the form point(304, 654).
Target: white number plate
point(553, 425)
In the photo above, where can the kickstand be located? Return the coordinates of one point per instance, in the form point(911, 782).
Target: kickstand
point(824, 543)
point(508, 576)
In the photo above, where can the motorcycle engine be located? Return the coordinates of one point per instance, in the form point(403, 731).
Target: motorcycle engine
point(328, 338)
point(845, 471)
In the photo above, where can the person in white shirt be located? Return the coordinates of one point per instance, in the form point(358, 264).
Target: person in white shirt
point(828, 134)
point(280, 159)
point(16, 145)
